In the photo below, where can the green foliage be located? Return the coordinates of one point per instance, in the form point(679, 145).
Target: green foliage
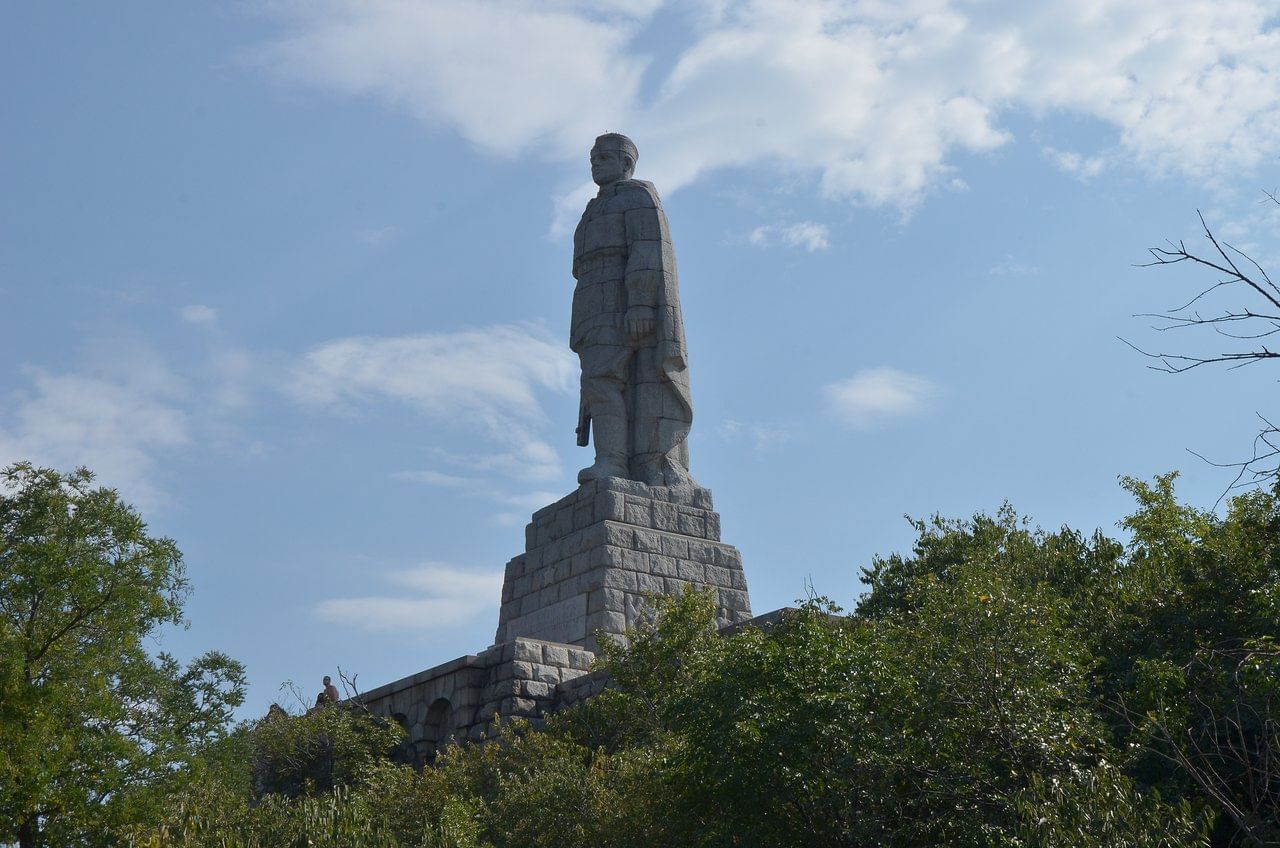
point(1167, 631)
point(90, 722)
point(1001, 686)
point(314, 753)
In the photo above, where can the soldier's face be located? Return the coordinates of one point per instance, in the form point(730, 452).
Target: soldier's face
point(608, 166)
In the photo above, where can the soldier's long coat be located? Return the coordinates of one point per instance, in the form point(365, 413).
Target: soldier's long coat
point(623, 257)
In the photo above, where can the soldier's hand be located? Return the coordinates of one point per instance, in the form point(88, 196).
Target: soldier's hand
point(640, 323)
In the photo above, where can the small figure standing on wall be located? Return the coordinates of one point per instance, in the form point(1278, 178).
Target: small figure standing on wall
point(329, 695)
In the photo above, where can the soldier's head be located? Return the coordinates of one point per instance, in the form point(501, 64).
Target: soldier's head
point(326, 680)
point(613, 158)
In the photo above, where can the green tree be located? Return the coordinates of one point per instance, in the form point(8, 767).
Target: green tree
point(90, 721)
point(324, 749)
point(1178, 629)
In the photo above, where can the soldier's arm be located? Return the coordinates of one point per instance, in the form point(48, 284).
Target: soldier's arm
point(645, 272)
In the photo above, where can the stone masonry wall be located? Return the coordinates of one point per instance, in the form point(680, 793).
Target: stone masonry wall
point(458, 700)
point(592, 556)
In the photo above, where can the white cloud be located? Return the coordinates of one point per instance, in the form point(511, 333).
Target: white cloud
point(378, 235)
point(198, 313)
point(501, 73)
point(1010, 267)
point(875, 394)
point(480, 488)
point(1078, 165)
point(487, 379)
point(807, 234)
point(872, 99)
point(761, 436)
point(439, 596)
point(114, 425)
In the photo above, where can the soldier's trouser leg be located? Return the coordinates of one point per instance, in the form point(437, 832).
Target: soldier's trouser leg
point(659, 455)
point(646, 450)
point(604, 381)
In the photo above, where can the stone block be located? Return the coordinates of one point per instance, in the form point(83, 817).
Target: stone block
point(528, 651)
point(522, 707)
point(583, 516)
point(580, 659)
point(535, 689)
point(626, 487)
point(612, 556)
point(606, 599)
point(639, 511)
point(734, 599)
point(649, 583)
point(692, 523)
point(562, 570)
point(592, 537)
point(727, 557)
point(713, 526)
point(522, 586)
point(690, 571)
point(502, 688)
point(610, 506)
point(666, 517)
point(717, 576)
point(519, 669)
point(546, 674)
point(663, 566)
point(619, 535)
point(610, 622)
point(649, 541)
point(617, 579)
point(700, 551)
point(555, 655)
point(635, 560)
point(675, 546)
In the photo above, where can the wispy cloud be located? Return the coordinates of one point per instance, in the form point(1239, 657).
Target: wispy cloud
point(1078, 165)
point(810, 235)
point(1010, 267)
point(760, 436)
point(479, 488)
point(874, 395)
point(872, 100)
point(486, 379)
point(438, 596)
point(198, 313)
point(378, 235)
point(117, 425)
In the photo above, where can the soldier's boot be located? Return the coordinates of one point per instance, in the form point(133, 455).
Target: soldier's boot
point(609, 432)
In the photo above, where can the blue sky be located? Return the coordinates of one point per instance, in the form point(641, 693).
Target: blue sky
point(294, 277)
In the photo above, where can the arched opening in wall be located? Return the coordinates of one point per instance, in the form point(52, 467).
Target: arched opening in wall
point(403, 752)
point(437, 728)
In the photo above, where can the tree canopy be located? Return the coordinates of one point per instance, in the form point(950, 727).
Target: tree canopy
point(93, 727)
point(999, 685)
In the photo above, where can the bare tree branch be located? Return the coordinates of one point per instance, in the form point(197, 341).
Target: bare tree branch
point(1238, 274)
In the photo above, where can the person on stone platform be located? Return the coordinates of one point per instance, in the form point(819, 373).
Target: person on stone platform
point(329, 695)
point(627, 328)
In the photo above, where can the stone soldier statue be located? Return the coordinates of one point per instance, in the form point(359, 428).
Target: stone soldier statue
point(627, 330)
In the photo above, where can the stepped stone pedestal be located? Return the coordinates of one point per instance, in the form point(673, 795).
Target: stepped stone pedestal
point(591, 560)
point(592, 557)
